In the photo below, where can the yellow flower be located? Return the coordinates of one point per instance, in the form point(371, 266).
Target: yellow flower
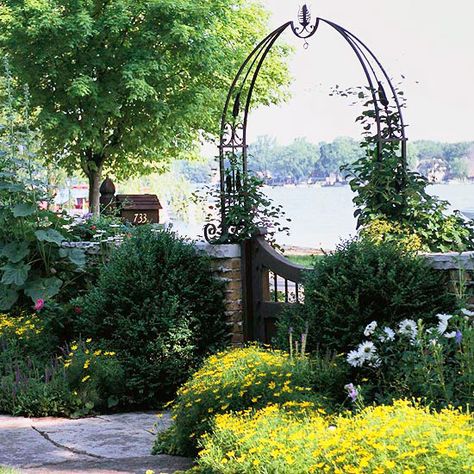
point(87, 363)
point(88, 340)
point(86, 378)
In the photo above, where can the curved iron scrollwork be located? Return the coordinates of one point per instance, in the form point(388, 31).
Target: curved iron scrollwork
point(234, 123)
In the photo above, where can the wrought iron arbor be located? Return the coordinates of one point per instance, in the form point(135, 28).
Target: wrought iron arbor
point(233, 133)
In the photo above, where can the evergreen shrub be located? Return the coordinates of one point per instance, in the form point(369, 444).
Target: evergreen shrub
point(158, 306)
point(363, 282)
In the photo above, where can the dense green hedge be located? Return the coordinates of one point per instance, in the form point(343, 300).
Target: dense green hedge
point(363, 282)
point(159, 307)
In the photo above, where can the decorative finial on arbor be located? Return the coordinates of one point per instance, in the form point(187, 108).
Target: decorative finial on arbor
point(304, 16)
point(305, 28)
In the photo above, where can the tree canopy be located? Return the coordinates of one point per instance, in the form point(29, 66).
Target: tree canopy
point(303, 161)
point(126, 85)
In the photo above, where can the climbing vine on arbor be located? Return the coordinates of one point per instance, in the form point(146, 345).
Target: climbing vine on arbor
point(387, 191)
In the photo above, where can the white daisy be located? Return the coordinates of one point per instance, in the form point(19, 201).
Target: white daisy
point(375, 362)
point(388, 334)
point(369, 330)
point(367, 351)
point(354, 358)
point(450, 335)
point(443, 322)
point(466, 312)
point(408, 328)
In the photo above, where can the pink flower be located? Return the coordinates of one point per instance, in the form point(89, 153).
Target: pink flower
point(77, 309)
point(39, 304)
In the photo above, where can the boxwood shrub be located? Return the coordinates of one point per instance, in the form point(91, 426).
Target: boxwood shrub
point(158, 306)
point(363, 282)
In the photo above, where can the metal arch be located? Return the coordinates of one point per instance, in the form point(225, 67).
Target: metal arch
point(234, 121)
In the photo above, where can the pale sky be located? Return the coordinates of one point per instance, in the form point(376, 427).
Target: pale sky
point(431, 42)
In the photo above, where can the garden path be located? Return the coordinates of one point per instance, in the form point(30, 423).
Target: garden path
point(106, 444)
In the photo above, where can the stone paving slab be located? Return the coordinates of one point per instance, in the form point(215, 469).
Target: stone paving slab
point(105, 444)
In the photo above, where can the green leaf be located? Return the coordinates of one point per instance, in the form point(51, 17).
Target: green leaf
point(15, 274)
point(50, 235)
point(76, 256)
point(45, 288)
point(8, 297)
point(12, 187)
point(15, 251)
point(112, 401)
point(23, 210)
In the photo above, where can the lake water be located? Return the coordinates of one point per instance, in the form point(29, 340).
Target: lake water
point(322, 216)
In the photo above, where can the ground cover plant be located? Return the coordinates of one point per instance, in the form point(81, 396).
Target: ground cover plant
point(158, 306)
point(38, 378)
point(239, 379)
point(400, 438)
point(361, 282)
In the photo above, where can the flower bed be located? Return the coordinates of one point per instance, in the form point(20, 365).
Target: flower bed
point(238, 379)
point(403, 438)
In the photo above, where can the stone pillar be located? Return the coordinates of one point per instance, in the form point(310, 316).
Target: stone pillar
point(226, 264)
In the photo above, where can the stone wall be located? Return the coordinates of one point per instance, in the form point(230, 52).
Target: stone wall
point(461, 270)
point(226, 264)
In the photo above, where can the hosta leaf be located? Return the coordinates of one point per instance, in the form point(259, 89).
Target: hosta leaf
point(15, 273)
point(8, 298)
point(50, 235)
point(12, 187)
point(76, 256)
point(15, 251)
point(23, 210)
point(44, 288)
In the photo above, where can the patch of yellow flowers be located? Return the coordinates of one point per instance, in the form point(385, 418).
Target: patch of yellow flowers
point(20, 326)
point(401, 439)
point(235, 380)
point(381, 230)
point(81, 353)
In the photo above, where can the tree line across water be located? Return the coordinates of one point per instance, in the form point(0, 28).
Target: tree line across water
point(302, 161)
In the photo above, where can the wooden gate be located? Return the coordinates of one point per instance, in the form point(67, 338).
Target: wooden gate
point(270, 283)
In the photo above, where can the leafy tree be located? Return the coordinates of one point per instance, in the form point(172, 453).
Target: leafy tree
point(459, 167)
point(297, 160)
point(453, 151)
point(428, 149)
point(262, 154)
point(342, 151)
point(125, 85)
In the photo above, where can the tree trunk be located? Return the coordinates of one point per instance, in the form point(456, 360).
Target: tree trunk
point(95, 178)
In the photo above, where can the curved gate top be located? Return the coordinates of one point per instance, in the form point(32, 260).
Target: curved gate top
point(233, 132)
